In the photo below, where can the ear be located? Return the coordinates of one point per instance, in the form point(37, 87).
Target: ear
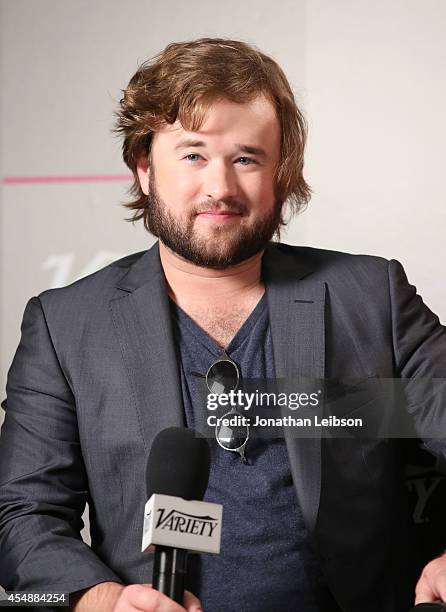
point(143, 169)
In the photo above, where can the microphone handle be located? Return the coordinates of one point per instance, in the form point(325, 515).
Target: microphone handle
point(169, 572)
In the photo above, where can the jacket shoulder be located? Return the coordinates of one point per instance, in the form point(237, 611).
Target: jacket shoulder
point(325, 261)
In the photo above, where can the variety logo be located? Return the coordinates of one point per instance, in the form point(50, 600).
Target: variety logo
point(424, 489)
point(174, 520)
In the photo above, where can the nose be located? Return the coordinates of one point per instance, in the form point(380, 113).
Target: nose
point(220, 182)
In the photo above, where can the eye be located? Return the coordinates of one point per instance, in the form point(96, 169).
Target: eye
point(192, 155)
point(247, 159)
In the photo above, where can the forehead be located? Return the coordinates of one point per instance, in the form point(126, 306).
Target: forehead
point(254, 122)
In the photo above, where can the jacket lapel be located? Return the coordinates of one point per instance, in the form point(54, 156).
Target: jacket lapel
point(141, 315)
point(296, 306)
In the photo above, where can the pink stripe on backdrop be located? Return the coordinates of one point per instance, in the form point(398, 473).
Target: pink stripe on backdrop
point(86, 178)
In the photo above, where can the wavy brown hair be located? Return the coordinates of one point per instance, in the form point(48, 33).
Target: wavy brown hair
point(183, 81)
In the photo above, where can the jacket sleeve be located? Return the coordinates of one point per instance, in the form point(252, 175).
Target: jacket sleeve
point(43, 482)
point(419, 346)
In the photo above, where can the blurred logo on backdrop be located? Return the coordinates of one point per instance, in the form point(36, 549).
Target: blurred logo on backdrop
point(62, 265)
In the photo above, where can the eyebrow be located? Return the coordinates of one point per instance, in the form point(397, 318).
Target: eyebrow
point(185, 144)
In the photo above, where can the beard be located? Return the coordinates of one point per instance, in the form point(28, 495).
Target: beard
point(224, 246)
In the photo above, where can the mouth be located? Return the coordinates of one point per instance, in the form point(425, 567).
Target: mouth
point(219, 215)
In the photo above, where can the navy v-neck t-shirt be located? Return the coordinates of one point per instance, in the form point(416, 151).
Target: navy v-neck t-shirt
point(265, 563)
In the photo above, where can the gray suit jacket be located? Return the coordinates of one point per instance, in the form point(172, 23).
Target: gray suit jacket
point(95, 378)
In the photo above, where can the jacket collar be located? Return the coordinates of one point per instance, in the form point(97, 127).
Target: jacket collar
point(278, 266)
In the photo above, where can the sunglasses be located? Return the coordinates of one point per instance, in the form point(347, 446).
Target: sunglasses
point(223, 376)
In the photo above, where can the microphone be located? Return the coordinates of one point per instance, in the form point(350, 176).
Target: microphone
point(176, 521)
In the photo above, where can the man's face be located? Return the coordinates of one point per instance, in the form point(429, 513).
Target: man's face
point(228, 166)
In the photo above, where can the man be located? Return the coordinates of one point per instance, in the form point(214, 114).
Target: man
point(215, 142)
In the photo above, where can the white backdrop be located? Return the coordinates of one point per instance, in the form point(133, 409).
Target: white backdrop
point(370, 79)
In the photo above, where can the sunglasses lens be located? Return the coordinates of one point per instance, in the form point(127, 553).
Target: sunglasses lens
point(222, 377)
point(232, 438)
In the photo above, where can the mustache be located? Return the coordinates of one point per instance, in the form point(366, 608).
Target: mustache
point(220, 207)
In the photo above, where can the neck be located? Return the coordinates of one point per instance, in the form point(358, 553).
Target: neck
point(187, 281)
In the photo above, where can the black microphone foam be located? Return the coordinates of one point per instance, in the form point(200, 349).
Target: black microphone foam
point(178, 464)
